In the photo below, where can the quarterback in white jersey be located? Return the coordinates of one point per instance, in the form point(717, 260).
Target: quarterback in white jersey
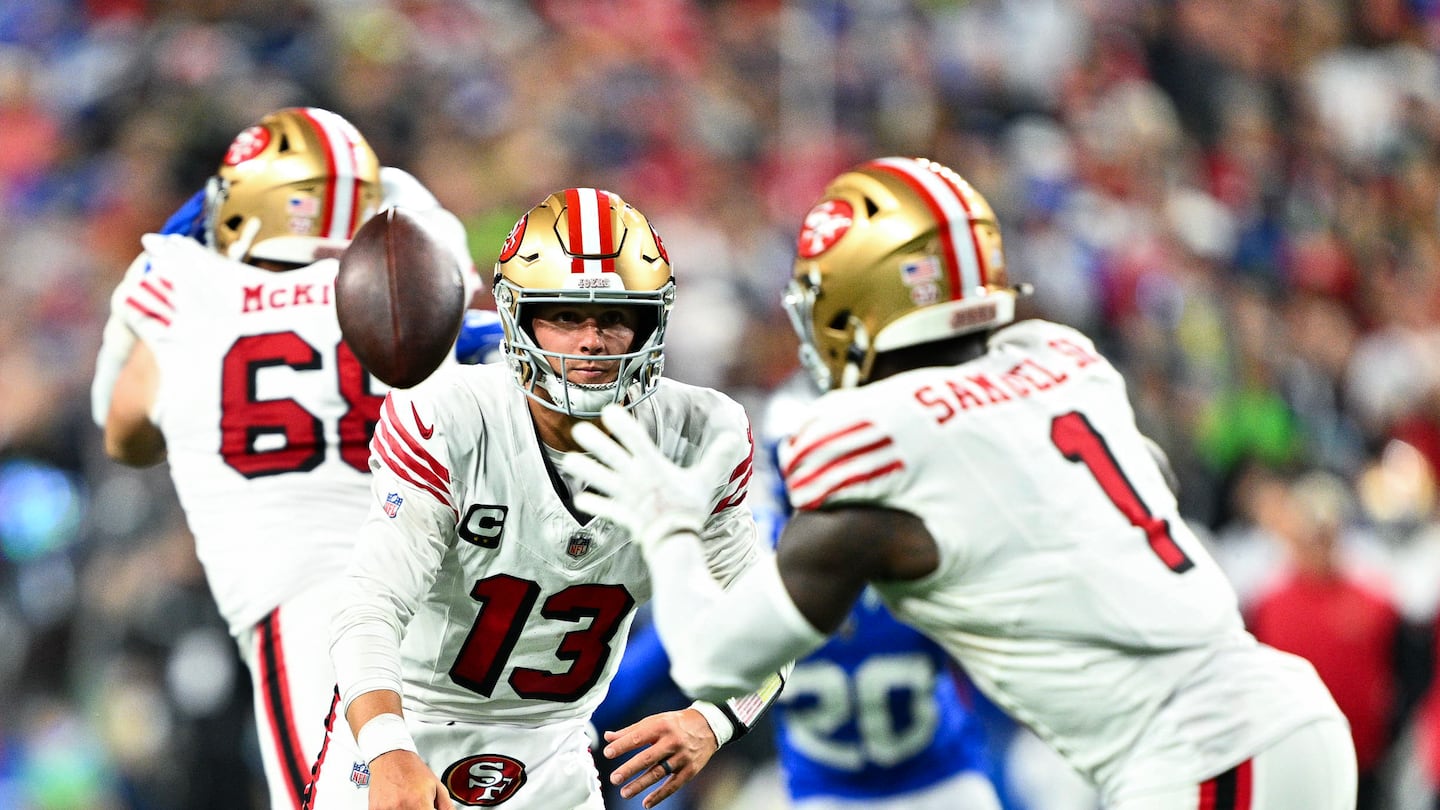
point(226, 359)
point(993, 488)
point(477, 592)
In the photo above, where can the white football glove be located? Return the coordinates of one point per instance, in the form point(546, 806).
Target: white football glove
point(638, 487)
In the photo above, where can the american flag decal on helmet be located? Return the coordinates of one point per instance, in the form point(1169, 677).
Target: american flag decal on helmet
point(592, 239)
point(342, 207)
point(941, 192)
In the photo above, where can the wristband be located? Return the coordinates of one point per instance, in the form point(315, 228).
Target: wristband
point(382, 734)
point(720, 723)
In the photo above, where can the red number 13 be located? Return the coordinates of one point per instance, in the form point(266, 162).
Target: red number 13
point(1077, 439)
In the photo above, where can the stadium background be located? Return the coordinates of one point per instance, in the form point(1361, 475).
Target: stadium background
point(1240, 199)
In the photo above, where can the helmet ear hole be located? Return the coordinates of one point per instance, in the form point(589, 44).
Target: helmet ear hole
point(284, 145)
point(234, 223)
point(841, 320)
point(871, 209)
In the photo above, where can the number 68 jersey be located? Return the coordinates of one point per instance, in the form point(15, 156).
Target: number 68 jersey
point(266, 415)
point(511, 608)
point(1068, 586)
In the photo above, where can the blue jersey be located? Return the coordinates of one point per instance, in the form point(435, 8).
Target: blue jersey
point(877, 711)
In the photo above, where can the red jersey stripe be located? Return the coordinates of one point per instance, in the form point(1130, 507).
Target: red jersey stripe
point(385, 435)
point(838, 460)
point(735, 497)
point(159, 296)
point(146, 311)
point(383, 452)
point(411, 442)
point(851, 481)
point(821, 442)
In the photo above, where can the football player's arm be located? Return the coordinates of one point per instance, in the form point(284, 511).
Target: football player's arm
point(119, 336)
point(393, 563)
point(131, 436)
point(783, 608)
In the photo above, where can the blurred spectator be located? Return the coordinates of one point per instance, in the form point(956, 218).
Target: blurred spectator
point(1327, 608)
point(1241, 200)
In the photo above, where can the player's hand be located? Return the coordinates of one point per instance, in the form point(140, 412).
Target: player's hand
point(637, 487)
point(400, 780)
point(681, 740)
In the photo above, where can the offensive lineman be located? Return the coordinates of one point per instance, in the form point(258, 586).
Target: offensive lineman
point(223, 354)
point(993, 487)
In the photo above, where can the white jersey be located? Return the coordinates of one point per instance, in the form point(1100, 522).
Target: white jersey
point(1068, 585)
point(266, 417)
point(511, 609)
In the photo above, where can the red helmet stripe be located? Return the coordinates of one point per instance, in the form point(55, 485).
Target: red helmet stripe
point(577, 230)
point(606, 224)
point(948, 206)
point(591, 230)
point(342, 194)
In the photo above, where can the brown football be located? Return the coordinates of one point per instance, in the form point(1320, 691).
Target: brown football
point(399, 298)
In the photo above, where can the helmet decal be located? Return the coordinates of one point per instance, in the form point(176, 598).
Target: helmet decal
point(824, 225)
point(512, 242)
point(946, 202)
point(660, 245)
point(247, 145)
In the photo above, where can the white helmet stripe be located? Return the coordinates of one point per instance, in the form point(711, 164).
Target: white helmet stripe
point(342, 198)
point(957, 237)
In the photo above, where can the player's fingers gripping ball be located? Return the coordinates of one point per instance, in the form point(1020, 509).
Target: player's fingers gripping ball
point(637, 487)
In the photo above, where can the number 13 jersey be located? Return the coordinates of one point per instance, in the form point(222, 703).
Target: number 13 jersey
point(511, 608)
point(1068, 585)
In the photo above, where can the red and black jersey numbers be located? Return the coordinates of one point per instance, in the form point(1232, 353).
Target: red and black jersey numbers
point(260, 437)
point(506, 602)
point(1078, 441)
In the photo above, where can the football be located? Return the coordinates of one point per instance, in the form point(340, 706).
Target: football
point(399, 298)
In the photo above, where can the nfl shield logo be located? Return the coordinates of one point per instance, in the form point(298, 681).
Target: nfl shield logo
point(392, 504)
point(579, 544)
point(360, 775)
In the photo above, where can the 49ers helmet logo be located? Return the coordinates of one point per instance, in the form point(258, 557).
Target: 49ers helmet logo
point(824, 225)
point(484, 780)
point(247, 145)
point(512, 242)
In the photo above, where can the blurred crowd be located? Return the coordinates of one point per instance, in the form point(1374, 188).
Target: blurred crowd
point(1238, 199)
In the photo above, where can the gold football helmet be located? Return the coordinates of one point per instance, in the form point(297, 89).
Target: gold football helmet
point(581, 246)
point(897, 251)
point(292, 188)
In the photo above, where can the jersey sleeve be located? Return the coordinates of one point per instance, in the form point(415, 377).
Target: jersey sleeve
point(142, 307)
point(840, 456)
point(410, 526)
point(729, 537)
point(731, 543)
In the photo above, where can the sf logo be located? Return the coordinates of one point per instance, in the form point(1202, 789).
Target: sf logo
point(824, 225)
point(247, 145)
point(484, 780)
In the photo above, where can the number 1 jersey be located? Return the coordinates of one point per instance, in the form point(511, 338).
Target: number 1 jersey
point(1068, 585)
